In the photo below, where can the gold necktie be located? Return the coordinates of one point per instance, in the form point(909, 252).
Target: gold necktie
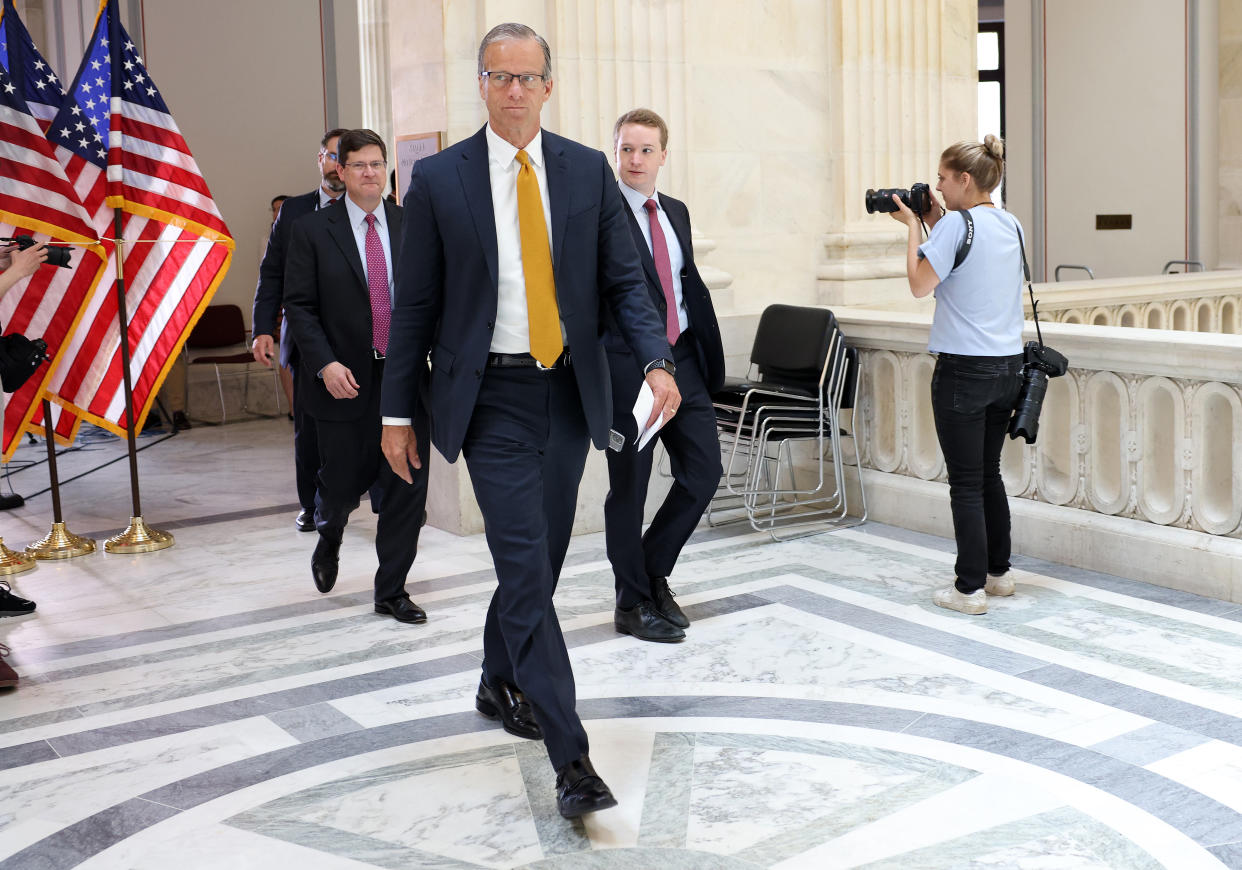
point(542, 314)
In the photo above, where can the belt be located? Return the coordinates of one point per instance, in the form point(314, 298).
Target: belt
point(376, 354)
point(526, 361)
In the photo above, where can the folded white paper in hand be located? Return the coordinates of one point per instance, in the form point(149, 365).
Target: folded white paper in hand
point(642, 410)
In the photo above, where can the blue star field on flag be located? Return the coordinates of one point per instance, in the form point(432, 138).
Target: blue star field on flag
point(31, 74)
point(83, 123)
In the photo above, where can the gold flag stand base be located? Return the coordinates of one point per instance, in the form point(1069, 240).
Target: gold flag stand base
point(60, 543)
point(12, 562)
point(138, 538)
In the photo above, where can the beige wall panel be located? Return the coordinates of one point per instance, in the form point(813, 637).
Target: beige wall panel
point(1116, 134)
point(1230, 134)
point(252, 112)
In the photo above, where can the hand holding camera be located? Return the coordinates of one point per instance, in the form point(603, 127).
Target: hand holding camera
point(906, 206)
point(20, 247)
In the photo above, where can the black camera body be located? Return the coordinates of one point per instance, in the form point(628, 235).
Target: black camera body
point(918, 199)
point(57, 255)
point(1039, 363)
point(19, 358)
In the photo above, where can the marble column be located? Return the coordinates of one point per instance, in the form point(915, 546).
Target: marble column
point(903, 87)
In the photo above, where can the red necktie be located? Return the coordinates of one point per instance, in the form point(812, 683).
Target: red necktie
point(377, 283)
point(664, 268)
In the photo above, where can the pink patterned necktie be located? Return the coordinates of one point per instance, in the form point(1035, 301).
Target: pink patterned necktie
point(664, 268)
point(377, 283)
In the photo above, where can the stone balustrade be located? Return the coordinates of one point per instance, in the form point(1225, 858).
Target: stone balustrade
point(1191, 302)
point(1145, 431)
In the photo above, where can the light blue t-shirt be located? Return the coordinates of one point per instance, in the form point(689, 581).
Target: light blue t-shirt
point(979, 304)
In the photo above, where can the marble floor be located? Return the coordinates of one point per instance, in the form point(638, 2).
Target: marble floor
point(205, 707)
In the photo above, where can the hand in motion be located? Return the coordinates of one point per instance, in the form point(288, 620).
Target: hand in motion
point(400, 446)
point(340, 381)
point(262, 348)
point(667, 396)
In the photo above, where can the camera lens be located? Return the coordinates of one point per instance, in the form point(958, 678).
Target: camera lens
point(58, 255)
point(882, 200)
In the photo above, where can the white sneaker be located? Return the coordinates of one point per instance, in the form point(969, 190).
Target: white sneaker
point(974, 604)
point(999, 584)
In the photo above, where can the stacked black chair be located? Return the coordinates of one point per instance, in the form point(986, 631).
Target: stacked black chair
point(803, 375)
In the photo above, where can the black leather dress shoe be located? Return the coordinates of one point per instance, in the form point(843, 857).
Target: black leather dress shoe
point(305, 521)
point(664, 603)
point(579, 790)
point(402, 610)
point(324, 563)
point(645, 623)
point(509, 706)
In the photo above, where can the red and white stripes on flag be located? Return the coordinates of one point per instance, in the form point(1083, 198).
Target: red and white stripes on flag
point(37, 199)
point(122, 149)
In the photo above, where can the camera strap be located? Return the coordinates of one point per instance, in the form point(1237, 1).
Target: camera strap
point(964, 248)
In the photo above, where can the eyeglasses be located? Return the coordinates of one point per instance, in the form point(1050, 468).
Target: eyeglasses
point(502, 80)
point(331, 155)
point(374, 165)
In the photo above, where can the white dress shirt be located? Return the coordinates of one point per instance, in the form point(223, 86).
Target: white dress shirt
point(512, 328)
point(325, 199)
point(676, 260)
point(358, 223)
point(512, 332)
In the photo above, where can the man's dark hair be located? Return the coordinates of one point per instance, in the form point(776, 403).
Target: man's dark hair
point(281, 197)
point(331, 134)
point(356, 140)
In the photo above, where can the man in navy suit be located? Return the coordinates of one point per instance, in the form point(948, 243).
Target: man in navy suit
point(515, 240)
point(268, 301)
point(642, 562)
point(338, 301)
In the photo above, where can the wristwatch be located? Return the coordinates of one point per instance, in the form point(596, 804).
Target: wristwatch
point(666, 364)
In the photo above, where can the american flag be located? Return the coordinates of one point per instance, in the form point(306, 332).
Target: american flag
point(121, 148)
point(29, 72)
point(37, 199)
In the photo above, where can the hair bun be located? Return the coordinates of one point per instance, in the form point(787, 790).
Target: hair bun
point(994, 146)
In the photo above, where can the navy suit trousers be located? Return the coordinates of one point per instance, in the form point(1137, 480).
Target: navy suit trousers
point(525, 448)
point(351, 462)
point(694, 455)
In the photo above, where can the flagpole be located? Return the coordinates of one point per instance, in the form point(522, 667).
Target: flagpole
point(59, 543)
point(138, 537)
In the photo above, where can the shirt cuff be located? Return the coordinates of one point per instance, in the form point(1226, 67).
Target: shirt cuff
point(396, 421)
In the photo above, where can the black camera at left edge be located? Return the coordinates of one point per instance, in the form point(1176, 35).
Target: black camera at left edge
point(57, 255)
point(918, 199)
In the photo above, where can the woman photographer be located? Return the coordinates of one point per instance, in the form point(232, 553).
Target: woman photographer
point(977, 334)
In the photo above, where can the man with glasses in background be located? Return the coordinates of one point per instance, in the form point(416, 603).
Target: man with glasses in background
point(268, 301)
point(338, 302)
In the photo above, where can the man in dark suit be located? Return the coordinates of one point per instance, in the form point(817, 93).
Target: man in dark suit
point(338, 300)
point(514, 241)
point(642, 562)
point(268, 301)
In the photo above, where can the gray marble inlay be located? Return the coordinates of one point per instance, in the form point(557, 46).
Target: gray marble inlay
point(995, 658)
point(644, 858)
point(26, 753)
point(75, 843)
point(1150, 743)
point(1199, 817)
point(666, 806)
point(1059, 838)
point(557, 836)
point(314, 722)
point(261, 705)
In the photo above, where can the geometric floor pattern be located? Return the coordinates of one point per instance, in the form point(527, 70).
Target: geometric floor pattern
point(205, 707)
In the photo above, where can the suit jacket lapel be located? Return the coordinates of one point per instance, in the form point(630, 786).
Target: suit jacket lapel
point(477, 186)
point(556, 167)
point(644, 254)
point(392, 213)
point(343, 234)
point(682, 228)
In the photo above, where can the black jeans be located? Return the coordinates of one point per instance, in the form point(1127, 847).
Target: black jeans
point(972, 401)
